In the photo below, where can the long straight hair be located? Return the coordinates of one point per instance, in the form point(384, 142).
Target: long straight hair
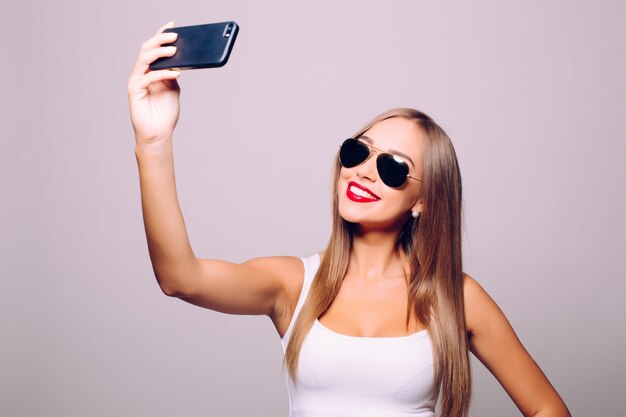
point(432, 245)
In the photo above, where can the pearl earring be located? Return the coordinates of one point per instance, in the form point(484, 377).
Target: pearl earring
point(415, 214)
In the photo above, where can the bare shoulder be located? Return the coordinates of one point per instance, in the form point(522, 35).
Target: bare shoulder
point(287, 269)
point(278, 265)
point(478, 304)
point(472, 290)
point(494, 342)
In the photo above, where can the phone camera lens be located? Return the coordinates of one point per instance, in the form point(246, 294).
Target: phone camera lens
point(228, 30)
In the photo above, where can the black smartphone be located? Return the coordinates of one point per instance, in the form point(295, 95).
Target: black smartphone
point(200, 46)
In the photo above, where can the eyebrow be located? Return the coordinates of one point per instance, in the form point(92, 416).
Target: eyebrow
point(394, 151)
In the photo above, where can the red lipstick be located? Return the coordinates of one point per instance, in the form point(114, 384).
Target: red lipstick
point(360, 198)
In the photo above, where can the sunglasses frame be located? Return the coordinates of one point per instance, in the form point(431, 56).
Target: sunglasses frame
point(380, 153)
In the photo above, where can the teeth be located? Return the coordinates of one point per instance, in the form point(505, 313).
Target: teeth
point(361, 192)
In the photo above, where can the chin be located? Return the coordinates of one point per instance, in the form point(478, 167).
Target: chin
point(350, 217)
point(370, 222)
point(353, 212)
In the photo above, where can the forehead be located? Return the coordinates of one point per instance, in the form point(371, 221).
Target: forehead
point(397, 133)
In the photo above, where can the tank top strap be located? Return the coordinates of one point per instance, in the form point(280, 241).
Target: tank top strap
point(311, 265)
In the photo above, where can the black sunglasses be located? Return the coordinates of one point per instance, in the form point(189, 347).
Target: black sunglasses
point(392, 169)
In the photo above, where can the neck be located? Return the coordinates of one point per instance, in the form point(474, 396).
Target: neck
point(374, 256)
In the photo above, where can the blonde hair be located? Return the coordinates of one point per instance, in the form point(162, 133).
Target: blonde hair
point(432, 245)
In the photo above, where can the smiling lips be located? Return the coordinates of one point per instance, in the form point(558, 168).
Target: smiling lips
point(360, 194)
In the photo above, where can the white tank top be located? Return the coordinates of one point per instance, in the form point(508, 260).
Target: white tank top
point(350, 376)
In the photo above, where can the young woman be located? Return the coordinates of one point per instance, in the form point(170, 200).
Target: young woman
point(381, 322)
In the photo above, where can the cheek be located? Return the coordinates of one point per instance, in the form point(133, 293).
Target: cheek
point(344, 176)
point(402, 200)
point(397, 202)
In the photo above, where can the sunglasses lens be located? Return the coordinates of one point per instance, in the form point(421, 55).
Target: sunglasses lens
point(392, 171)
point(352, 153)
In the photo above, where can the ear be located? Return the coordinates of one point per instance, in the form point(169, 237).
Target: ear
point(419, 207)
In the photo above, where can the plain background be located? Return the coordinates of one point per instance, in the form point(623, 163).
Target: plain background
point(532, 94)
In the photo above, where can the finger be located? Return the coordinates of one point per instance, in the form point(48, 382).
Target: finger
point(172, 84)
point(168, 25)
point(153, 54)
point(148, 56)
point(159, 39)
point(141, 65)
point(153, 77)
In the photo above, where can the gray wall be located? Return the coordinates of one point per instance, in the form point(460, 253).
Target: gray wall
point(532, 94)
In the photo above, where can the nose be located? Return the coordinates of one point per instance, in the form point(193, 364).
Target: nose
point(368, 168)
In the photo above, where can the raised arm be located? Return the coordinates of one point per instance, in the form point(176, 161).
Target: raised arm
point(494, 342)
point(260, 286)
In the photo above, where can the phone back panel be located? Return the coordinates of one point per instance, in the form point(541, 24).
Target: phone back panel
point(200, 46)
